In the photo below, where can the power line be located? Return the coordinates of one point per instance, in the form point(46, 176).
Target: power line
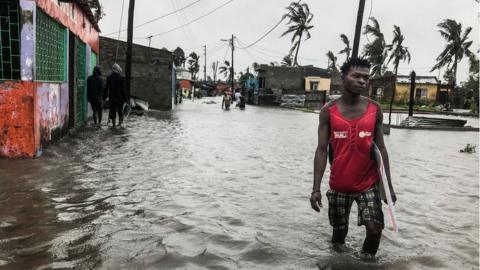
point(216, 49)
point(262, 37)
point(155, 19)
point(268, 32)
point(198, 46)
point(119, 27)
point(280, 54)
point(368, 20)
point(194, 20)
point(248, 53)
point(179, 18)
point(225, 56)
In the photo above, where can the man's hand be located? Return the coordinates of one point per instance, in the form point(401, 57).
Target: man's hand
point(393, 195)
point(316, 200)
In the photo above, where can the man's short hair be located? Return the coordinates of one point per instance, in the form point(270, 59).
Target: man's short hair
point(354, 62)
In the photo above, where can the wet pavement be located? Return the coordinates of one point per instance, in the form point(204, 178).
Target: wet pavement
point(202, 188)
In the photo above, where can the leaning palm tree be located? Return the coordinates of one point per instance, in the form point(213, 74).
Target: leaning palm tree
point(397, 53)
point(347, 48)
point(375, 51)
point(457, 46)
point(287, 61)
point(193, 66)
point(299, 17)
point(332, 61)
point(226, 70)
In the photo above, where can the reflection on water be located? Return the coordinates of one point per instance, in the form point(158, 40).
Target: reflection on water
point(203, 188)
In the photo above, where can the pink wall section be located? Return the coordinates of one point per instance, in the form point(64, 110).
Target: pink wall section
point(78, 24)
point(51, 112)
point(33, 114)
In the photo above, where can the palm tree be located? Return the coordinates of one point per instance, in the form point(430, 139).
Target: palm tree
point(347, 48)
point(255, 67)
point(215, 70)
point(332, 61)
point(397, 53)
point(244, 77)
point(375, 51)
point(193, 66)
point(299, 17)
point(226, 70)
point(287, 61)
point(179, 57)
point(457, 47)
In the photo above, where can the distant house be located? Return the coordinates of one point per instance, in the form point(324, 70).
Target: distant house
point(47, 50)
point(152, 78)
point(428, 89)
point(184, 80)
point(317, 86)
point(317, 79)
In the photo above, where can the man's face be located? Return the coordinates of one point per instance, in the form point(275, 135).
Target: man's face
point(356, 80)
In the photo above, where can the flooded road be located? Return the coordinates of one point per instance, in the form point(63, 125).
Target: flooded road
point(201, 188)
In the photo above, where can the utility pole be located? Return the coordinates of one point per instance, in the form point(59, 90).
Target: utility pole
point(358, 29)
point(149, 40)
point(412, 91)
point(205, 65)
point(128, 62)
point(233, 71)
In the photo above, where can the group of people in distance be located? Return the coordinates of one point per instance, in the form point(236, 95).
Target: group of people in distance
point(114, 90)
point(228, 99)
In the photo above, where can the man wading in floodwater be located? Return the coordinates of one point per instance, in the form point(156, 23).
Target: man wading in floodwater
point(117, 96)
point(348, 128)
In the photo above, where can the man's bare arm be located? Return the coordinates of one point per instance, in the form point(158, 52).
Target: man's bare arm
point(383, 149)
point(320, 160)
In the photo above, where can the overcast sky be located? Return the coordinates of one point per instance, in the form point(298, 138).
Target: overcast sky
point(248, 20)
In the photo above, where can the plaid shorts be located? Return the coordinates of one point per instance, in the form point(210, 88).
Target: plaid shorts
point(369, 207)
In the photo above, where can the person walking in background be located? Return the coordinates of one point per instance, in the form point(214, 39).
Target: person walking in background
point(237, 96)
point(94, 95)
point(226, 101)
point(115, 91)
point(349, 127)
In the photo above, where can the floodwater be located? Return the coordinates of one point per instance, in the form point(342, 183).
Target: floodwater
point(202, 188)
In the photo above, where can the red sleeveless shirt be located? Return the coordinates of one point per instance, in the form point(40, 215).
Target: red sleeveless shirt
point(352, 170)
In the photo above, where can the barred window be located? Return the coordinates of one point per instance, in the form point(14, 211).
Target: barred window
point(9, 40)
point(50, 49)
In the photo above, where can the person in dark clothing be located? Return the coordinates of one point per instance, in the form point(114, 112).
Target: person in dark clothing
point(241, 103)
point(115, 90)
point(94, 94)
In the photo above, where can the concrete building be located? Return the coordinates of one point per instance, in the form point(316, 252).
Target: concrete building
point(292, 86)
point(47, 49)
point(153, 78)
point(280, 77)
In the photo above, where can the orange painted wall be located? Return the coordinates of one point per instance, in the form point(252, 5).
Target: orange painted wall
point(32, 114)
point(81, 26)
point(17, 106)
